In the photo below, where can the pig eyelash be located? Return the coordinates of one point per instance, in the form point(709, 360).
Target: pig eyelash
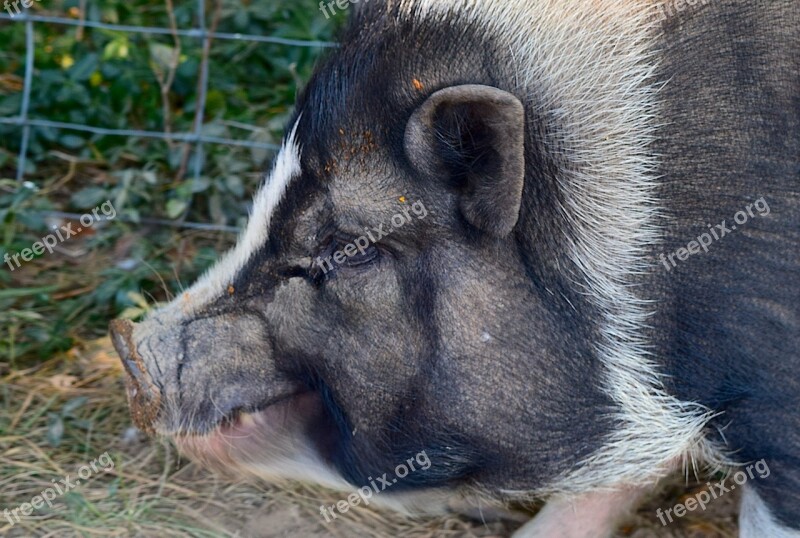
point(292, 272)
point(340, 241)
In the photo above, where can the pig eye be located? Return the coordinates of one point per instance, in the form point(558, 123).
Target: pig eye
point(369, 255)
point(341, 253)
point(361, 255)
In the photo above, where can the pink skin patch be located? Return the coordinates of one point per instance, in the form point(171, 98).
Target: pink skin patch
point(275, 431)
point(593, 515)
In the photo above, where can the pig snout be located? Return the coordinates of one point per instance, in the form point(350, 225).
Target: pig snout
point(144, 396)
point(196, 375)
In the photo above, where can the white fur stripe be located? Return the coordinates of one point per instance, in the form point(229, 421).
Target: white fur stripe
point(216, 281)
point(756, 521)
point(586, 66)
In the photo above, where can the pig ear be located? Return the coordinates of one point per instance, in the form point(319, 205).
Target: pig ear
point(473, 137)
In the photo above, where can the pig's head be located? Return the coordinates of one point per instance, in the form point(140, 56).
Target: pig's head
point(408, 280)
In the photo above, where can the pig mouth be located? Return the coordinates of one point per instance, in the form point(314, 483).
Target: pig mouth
point(279, 426)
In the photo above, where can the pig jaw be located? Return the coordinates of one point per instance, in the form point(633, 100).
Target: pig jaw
point(232, 424)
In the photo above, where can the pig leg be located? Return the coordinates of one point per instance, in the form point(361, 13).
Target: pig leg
point(593, 515)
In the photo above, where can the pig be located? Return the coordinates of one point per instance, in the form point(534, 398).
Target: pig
point(554, 246)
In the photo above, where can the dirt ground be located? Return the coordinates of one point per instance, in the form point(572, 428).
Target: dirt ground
point(152, 492)
point(285, 519)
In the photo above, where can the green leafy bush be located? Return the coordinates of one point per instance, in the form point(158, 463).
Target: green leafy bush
point(143, 81)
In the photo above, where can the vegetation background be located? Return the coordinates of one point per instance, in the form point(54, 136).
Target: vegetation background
point(124, 80)
point(61, 398)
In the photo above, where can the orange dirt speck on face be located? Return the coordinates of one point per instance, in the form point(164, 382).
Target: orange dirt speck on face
point(417, 85)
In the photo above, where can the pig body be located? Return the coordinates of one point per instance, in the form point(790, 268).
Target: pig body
point(552, 244)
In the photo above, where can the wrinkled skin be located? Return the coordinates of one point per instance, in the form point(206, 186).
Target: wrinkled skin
point(396, 350)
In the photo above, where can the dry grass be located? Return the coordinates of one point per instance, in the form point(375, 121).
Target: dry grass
point(151, 492)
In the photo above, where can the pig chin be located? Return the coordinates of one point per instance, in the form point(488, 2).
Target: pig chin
point(285, 440)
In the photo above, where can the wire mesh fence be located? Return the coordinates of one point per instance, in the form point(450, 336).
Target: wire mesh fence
point(194, 139)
